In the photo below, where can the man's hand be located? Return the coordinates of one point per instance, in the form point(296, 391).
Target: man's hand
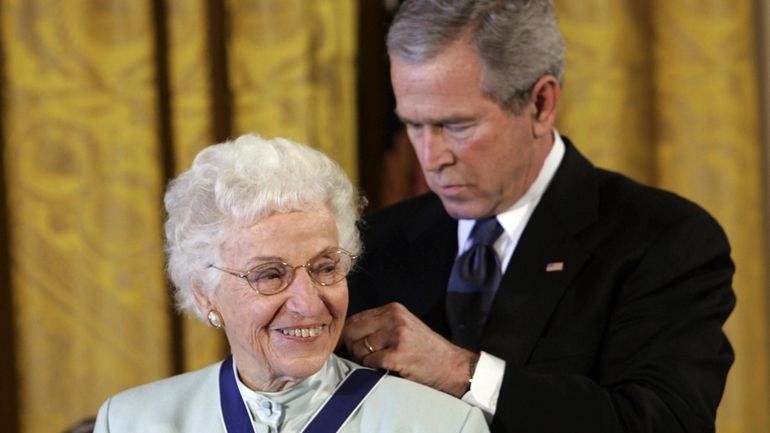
point(391, 337)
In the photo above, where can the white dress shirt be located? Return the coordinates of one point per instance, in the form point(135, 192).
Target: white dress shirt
point(488, 377)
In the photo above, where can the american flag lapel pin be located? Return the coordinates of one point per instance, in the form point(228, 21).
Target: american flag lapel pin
point(554, 267)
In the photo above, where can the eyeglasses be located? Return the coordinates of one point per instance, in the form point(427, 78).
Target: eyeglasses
point(325, 269)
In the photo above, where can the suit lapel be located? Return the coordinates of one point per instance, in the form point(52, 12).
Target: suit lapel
point(546, 259)
point(431, 246)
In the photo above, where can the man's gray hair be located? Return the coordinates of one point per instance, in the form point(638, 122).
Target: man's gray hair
point(518, 41)
point(239, 182)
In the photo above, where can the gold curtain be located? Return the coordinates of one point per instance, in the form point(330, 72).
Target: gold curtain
point(667, 92)
point(103, 101)
point(295, 64)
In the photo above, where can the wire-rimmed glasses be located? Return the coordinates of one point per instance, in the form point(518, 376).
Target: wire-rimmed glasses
point(329, 267)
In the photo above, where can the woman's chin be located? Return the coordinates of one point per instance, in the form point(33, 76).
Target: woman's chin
point(303, 361)
point(302, 368)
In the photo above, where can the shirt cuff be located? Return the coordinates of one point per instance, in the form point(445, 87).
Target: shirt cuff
point(485, 385)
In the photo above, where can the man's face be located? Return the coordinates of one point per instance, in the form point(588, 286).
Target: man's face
point(476, 156)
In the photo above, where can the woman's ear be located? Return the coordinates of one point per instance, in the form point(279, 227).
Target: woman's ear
point(206, 309)
point(202, 301)
point(545, 97)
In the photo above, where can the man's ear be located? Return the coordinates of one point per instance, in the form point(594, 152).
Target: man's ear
point(545, 97)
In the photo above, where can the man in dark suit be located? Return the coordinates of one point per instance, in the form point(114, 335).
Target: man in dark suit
point(612, 295)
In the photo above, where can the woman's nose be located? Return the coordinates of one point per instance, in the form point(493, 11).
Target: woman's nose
point(304, 294)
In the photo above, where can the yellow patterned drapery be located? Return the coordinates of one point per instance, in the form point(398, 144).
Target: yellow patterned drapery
point(83, 185)
point(667, 92)
point(299, 66)
point(103, 101)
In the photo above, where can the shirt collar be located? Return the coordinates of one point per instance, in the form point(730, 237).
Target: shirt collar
point(510, 217)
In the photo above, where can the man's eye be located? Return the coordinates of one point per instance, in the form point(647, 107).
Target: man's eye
point(413, 126)
point(457, 127)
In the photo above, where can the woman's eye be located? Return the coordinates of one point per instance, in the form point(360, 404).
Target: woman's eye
point(325, 268)
point(267, 274)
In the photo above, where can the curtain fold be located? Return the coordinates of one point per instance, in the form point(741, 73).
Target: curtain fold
point(608, 102)
point(194, 111)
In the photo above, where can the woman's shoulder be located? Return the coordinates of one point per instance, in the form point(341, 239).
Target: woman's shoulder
point(420, 396)
point(409, 406)
point(181, 383)
point(397, 404)
point(166, 402)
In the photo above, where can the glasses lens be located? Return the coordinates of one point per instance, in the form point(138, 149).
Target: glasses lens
point(269, 278)
point(330, 267)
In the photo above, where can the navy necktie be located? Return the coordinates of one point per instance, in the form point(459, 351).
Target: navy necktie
point(472, 284)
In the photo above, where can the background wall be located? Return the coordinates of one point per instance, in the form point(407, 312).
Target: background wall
point(103, 101)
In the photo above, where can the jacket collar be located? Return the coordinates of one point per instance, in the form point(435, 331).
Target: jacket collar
point(546, 260)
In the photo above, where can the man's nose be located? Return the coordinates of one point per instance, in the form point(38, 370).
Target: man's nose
point(433, 150)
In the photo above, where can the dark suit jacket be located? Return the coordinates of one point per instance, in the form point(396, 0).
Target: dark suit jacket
point(627, 337)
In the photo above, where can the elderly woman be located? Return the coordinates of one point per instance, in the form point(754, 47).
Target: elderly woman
point(260, 237)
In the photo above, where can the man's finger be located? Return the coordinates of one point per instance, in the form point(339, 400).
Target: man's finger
point(370, 313)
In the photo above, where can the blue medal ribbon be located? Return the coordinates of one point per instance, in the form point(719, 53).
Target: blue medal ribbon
point(343, 402)
point(234, 411)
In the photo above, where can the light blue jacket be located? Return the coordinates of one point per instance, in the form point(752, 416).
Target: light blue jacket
point(189, 403)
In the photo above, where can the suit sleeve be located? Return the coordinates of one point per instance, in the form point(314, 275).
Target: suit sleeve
point(663, 359)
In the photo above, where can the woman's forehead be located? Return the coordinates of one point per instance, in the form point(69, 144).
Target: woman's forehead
point(282, 235)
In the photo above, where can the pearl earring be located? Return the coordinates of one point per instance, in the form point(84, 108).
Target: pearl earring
point(215, 319)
